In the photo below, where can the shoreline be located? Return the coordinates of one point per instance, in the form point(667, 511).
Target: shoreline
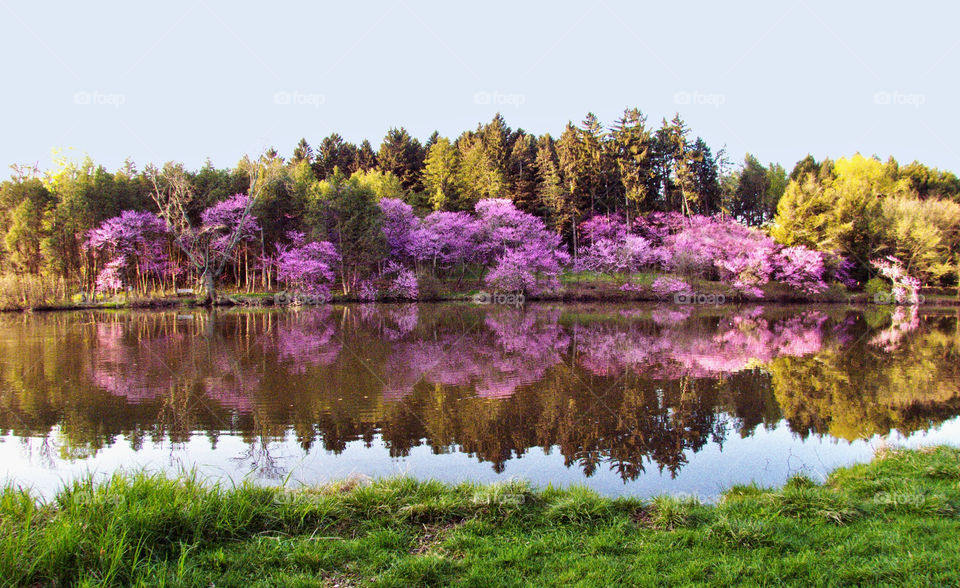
point(267, 299)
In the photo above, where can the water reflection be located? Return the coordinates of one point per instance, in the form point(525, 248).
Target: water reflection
point(616, 388)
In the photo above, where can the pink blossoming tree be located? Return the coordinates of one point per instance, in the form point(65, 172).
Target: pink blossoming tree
point(134, 243)
point(209, 247)
point(307, 267)
point(525, 255)
point(905, 288)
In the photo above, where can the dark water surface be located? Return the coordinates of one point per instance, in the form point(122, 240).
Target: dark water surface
point(626, 399)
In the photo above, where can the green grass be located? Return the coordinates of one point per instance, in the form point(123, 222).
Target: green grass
point(890, 522)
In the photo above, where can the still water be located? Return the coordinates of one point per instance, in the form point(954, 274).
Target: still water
point(638, 400)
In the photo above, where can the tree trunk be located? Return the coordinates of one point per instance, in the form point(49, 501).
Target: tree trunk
point(209, 287)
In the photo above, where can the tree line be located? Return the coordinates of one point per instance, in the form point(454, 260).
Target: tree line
point(859, 207)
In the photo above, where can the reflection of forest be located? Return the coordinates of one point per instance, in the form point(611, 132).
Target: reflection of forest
point(605, 386)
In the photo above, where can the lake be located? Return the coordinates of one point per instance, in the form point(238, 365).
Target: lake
point(626, 399)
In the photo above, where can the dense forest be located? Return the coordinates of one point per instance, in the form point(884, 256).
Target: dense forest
point(615, 198)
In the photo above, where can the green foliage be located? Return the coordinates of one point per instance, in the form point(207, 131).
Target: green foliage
point(401, 155)
point(441, 175)
point(924, 234)
point(862, 208)
point(632, 143)
point(481, 171)
point(345, 212)
point(332, 154)
point(876, 285)
point(381, 184)
point(931, 182)
point(521, 173)
point(29, 206)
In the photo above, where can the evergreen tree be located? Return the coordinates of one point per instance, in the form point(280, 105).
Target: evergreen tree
point(430, 141)
point(302, 152)
point(751, 194)
point(366, 157)
point(402, 156)
point(550, 186)
point(706, 178)
point(441, 175)
point(776, 185)
point(29, 204)
point(521, 173)
point(495, 137)
point(679, 188)
point(596, 172)
point(335, 153)
point(632, 146)
point(807, 165)
point(481, 175)
point(575, 198)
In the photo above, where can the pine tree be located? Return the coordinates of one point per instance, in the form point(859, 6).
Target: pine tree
point(706, 177)
point(302, 152)
point(366, 157)
point(430, 141)
point(334, 152)
point(481, 175)
point(632, 145)
point(592, 162)
point(402, 156)
point(805, 166)
point(441, 175)
point(521, 173)
point(567, 204)
point(751, 192)
point(675, 160)
point(496, 140)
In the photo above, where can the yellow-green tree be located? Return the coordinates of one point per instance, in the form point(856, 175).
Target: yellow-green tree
point(441, 178)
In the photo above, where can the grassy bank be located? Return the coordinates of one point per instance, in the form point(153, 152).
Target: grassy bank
point(893, 521)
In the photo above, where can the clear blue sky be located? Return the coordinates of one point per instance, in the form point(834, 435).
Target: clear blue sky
point(192, 80)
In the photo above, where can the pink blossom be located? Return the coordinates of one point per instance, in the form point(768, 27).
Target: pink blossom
point(670, 286)
point(400, 226)
point(307, 268)
point(800, 268)
point(906, 288)
point(448, 238)
point(603, 226)
point(224, 218)
point(527, 256)
point(109, 277)
point(132, 240)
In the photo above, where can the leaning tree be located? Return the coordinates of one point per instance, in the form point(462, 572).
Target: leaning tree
point(209, 243)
